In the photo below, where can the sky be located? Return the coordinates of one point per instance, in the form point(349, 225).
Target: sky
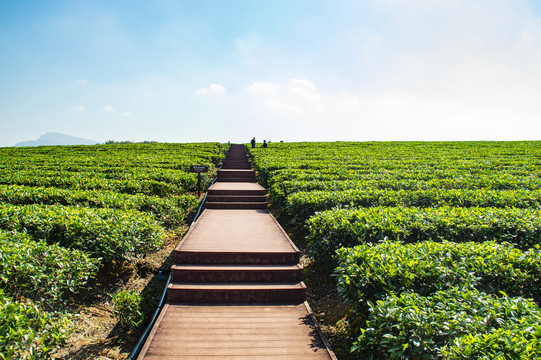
point(291, 70)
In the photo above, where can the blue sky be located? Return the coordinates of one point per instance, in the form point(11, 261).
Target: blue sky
point(182, 71)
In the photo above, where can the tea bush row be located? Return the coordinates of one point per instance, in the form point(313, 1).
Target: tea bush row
point(374, 271)
point(332, 229)
point(105, 233)
point(114, 158)
point(82, 181)
point(447, 324)
point(287, 168)
point(28, 332)
point(520, 341)
point(151, 169)
point(39, 271)
point(281, 189)
point(305, 204)
point(170, 211)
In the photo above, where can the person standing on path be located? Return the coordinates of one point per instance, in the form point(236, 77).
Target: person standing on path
point(253, 143)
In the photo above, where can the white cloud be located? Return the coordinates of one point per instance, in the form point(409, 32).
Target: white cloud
point(127, 114)
point(302, 84)
point(109, 108)
point(263, 88)
point(481, 110)
point(213, 89)
point(296, 96)
point(81, 81)
point(77, 108)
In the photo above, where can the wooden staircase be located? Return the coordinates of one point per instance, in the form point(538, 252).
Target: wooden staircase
point(236, 169)
point(242, 276)
point(236, 289)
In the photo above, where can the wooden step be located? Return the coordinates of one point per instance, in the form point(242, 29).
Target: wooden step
point(251, 180)
point(239, 161)
point(235, 258)
point(240, 166)
point(243, 293)
point(237, 158)
point(239, 192)
point(244, 331)
point(236, 198)
point(236, 205)
point(236, 273)
point(236, 173)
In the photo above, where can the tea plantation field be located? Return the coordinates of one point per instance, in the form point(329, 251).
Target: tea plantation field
point(68, 211)
point(436, 246)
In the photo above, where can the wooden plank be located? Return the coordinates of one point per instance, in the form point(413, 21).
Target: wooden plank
point(234, 311)
point(190, 337)
point(177, 330)
point(238, 357)
point(236, 230)
point(219, 352)
point(244, 332)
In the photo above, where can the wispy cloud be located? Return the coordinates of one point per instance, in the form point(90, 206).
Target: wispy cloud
point(212, 89)
point(296, 96)
point(109, 108)
point(81, 81)
point(263, 88)
point(77, 108)
point(127, 114)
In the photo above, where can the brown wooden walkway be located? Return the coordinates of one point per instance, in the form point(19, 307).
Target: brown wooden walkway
point(236, 289)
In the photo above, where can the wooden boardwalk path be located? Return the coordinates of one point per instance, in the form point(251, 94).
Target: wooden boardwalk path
point(236, 290)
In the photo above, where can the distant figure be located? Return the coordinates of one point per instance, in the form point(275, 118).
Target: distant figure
point(253, 143)
point(264, 143)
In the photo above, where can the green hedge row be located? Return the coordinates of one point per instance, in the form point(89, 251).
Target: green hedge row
point(105, 233)
point(170, 211)
point(39, 271)
point(450, 325)
point(332, 229)
point(305, 204)
point(373, 271)
point(28, 332)
point(89, 181)
point(521, 341)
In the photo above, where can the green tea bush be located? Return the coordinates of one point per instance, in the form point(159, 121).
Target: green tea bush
point(127, 306)
point(39, 271)
point(27, 332)
point(429, 166)
point(306, 203)
point(416, 327)
point(94, 181)
point(151, 169)
point(518, 342)
point(332, 229)
point(170, 211)
point(106, 233)
point(373, 271)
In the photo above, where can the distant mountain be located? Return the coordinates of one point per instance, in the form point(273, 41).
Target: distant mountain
point(53, 138)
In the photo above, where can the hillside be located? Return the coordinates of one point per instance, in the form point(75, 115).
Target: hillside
point(53, 138)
